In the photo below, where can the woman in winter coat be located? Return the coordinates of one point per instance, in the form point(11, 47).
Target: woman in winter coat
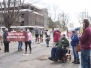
point(74, 42)
point(28, 42)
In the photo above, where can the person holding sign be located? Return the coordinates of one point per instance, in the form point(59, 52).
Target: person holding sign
point(28, 42)
point(20, 43)
point(6, 43)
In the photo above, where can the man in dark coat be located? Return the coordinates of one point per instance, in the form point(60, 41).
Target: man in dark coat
point(56, 51)
point(6, 43)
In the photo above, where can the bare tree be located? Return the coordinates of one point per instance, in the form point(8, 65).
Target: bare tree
point(9, 10)
point(53, 14)
point(83, 15)
point(64, 19)
point(22, 2)
point(51, 23)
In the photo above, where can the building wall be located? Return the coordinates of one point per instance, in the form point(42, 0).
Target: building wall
point(36, 17)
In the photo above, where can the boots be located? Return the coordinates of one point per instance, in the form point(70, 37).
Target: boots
point(30, 52)
point(74, 60)
point(77, 62)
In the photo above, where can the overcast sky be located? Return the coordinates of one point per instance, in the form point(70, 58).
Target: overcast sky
point(70, 6)
point(73, 7)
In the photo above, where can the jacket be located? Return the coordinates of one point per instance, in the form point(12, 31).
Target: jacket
point(63, 43)
point(85, 39)
point(5, 37)
point(74, 40)
point(56, 35)
point(29, 36)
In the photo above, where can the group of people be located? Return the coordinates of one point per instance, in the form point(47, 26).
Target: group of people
point(84, 40)
point(60, 41)
point(20, 43)
point(39, 35)
point(85, 43)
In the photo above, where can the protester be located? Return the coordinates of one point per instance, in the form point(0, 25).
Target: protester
point(56, 51)
point(29, 34)
point(85, 42)
point(56, 35)
point(20, 43)
point(36, 35)
point(41, 35)
point(47, 37)
point(6, 43)
point(74, 42)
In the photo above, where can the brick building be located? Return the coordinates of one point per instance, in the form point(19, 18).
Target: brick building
point(30, 17)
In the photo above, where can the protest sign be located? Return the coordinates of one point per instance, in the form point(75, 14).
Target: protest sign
point(16, 36)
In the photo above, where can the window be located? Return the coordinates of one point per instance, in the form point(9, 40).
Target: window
point(32, 8)
point(22, 15)
point(22, 23)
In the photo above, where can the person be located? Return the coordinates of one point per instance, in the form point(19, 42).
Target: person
point(56, 51)
point(36, 35)
point(6, 43)
point(28, 42)
point(56, 36)
point(47, 37)
point(74, 42)
point(85, 43)
point(41, 35)
point(20, 43)
point(1, 36)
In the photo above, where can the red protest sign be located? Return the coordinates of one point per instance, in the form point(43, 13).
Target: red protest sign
point(16, 36)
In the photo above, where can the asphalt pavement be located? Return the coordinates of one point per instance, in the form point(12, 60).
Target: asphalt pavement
point(38, 59)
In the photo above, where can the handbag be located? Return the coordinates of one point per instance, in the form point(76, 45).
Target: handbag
point(78, 49)
point(48, 39)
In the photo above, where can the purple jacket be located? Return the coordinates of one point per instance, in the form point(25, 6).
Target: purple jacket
point(85, 39)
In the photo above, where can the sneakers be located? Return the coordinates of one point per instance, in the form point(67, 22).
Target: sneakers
point(74, 61)
point(77, 62)
point(55, 60)
point(50, 58)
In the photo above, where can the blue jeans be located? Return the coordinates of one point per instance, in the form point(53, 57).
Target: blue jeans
point(47, 42)
point(85, 58)
point(76, 56)
point(55, 53)
point(20, 45)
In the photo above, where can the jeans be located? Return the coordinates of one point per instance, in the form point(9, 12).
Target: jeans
point(76, 56)
point(20, 45)
point(6, 47)
point(26, 44)
point(55, 53)
point(85, 58)
point(47, 42)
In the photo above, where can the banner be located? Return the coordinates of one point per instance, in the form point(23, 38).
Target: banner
point(17, 36)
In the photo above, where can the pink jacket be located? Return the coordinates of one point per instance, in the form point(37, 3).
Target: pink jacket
point(29, 36)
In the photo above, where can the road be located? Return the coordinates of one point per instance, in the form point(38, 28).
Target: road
point(38, 59)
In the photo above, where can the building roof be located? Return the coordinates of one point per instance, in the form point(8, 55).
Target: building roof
point(23, 27)
point(23, 10)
